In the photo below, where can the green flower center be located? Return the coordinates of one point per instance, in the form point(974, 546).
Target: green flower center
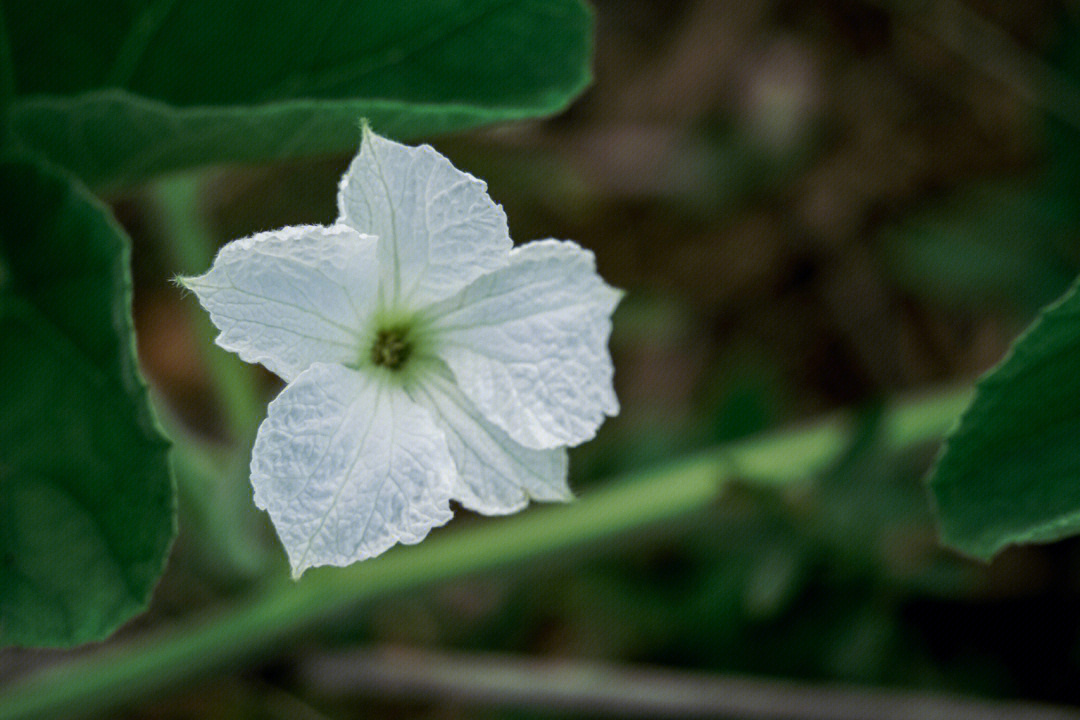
point(391, 348)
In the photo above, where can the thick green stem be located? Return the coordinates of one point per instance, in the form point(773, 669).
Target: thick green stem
point(215, 497)
point(122, 674)
point(216, 511)
point(191, 245)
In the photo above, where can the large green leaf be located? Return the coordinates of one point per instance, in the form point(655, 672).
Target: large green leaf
point(1010, 472)
point(86, 499)
point(124, 89)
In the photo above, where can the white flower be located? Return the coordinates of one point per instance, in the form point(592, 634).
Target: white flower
point(426, 358)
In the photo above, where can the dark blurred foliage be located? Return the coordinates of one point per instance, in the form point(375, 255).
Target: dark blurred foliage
point(812, 205)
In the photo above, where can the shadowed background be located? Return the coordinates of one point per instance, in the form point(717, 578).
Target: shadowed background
point(811, 206)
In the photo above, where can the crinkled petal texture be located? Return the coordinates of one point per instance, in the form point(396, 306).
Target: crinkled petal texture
point(292, 297)
point(499, 358)
point(347, 466)
point(438, 230)
point(495, 474)
point(527, 344)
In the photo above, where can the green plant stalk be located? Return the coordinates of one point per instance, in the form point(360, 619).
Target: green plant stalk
point(192, 248)
point(122, 674)
point(216, 510)
point(215, 498)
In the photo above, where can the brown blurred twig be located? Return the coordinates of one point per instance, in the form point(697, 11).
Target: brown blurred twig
point(990, 50)
point(599, 688)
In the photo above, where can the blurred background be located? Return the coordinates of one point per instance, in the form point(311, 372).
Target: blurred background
point(812, 205)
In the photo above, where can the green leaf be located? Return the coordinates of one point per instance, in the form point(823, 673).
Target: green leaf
point(86, 499)
point(121, 91)
point(1010, 472)
point(7, 80)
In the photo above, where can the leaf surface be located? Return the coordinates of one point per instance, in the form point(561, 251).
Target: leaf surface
point(1010, 472)
point(119, 91)
point(86, 499)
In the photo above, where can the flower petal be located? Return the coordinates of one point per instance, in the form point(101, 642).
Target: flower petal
point(291, 297)
point(528, 344)
point(347, 466)
point(438, 230)
point(495, 474)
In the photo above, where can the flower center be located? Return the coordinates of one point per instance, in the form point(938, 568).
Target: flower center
point(391, 348)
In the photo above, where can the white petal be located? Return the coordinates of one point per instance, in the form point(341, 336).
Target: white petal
point(495, 474)
point(438, 230)
point(291, 297)
point(528, 344)
point(347, 466)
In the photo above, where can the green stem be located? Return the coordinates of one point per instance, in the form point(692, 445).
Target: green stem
point(192, 247)
point(215, 497)
point(216, 511)
point(122, 674)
